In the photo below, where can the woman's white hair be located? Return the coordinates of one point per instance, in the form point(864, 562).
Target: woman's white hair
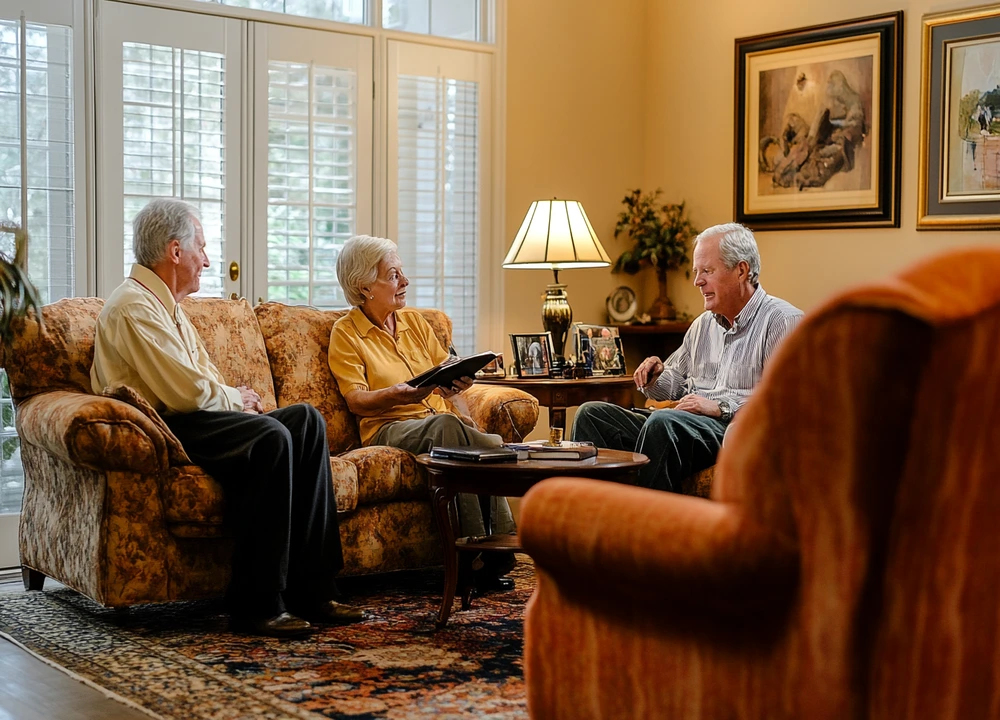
point(157, 224)
point(357, 264)
point(736, 244)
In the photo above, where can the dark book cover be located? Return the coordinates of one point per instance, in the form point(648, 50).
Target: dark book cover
point(471, 454)
point(446, 373)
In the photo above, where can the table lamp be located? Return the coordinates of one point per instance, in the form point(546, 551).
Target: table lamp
point(556, 235)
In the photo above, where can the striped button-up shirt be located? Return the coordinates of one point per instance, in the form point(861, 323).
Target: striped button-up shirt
point(720, 362)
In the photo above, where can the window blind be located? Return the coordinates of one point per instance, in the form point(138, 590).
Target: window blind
point(438, 204)
point(49, 186)
point(174, 140)
point(312, 180)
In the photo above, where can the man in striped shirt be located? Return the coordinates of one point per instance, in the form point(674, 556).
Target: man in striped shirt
point(711, 375)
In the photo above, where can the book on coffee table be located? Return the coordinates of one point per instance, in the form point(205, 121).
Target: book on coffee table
point(472, 454)
point(541, 450)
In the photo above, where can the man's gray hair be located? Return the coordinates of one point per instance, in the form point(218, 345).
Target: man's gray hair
point(157, 224)
point(736, 244)
point(357, 264)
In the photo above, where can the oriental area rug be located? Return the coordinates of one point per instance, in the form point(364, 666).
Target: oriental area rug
point(180, 662)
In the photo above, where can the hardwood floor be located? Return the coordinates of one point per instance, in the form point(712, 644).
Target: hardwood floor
point(32, 690)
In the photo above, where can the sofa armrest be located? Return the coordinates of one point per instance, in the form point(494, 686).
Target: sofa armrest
point(506, 412)
point(91, 431)
point(599, 538)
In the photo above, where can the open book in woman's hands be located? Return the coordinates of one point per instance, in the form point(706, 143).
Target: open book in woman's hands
point(445, 374)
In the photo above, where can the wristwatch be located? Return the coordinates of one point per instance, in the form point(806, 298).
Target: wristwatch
point(725, 411)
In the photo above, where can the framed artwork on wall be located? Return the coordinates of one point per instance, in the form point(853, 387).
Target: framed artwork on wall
point(818, 126)
point(958, 186)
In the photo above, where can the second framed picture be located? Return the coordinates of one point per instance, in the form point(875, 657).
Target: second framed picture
point(818, 126)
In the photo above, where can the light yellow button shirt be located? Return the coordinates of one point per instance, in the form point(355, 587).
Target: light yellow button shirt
point(364, 357)
point(145, 340)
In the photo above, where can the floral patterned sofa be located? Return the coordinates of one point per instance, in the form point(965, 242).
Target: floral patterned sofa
point(114, 509)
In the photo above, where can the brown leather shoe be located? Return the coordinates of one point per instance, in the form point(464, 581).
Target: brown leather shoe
point(282, 626)
point(332, 612)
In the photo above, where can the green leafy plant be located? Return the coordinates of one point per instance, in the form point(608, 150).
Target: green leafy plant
point(660, 234)
point(18, 296)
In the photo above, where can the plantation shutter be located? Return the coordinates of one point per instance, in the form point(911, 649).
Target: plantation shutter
point(439, 195)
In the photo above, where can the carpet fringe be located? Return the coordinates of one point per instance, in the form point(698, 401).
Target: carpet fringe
point(79, 678)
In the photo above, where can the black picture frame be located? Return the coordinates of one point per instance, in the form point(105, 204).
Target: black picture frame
point(818, 138)
point(958, 187)
point(527, 362)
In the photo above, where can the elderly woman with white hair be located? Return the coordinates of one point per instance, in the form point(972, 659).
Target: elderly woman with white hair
point(374, 350)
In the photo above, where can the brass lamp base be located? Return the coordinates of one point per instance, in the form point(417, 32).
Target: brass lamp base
point(557, 316)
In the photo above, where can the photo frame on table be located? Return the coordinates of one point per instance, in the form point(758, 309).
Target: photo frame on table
point(533, 353)
point(599, 349)
point(958, 182)
point(818, 126)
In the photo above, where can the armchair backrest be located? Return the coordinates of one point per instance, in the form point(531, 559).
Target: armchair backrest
point(870, 442)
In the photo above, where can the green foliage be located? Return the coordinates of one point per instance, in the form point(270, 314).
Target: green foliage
point(660, 233)
point(18, 296)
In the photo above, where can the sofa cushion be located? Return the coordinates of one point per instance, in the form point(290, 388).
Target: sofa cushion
point(61, 356)
point(191, 497)
point(234, 341)
point(297, 338)
point(387, 474)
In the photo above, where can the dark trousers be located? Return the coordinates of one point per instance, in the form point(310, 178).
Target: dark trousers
point(275, 470)
point(677, 443)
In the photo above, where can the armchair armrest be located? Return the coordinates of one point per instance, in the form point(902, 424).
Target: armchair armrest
point(617, 541)
point(506, 412)
point(99, 433)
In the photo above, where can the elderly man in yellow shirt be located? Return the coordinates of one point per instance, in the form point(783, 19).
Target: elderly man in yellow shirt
point(374, 350)
point(274, 467)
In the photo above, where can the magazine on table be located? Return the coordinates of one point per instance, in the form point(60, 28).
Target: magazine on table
point(445, 374)
point(541, 450)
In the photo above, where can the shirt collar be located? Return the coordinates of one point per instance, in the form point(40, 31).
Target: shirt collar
point(745, 315)
point(365, 326)
point(154, 284)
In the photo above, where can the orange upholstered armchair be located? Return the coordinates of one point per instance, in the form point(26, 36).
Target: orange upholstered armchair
point(848, 565)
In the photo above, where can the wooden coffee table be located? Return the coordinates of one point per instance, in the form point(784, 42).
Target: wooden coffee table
point(447, 478)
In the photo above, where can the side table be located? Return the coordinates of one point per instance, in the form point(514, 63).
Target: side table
point(557, 394)
point(447, 478)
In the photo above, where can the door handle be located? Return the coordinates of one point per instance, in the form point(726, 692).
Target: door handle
point(234, 271)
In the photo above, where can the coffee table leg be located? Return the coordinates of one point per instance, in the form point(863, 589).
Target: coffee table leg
point(441, 500)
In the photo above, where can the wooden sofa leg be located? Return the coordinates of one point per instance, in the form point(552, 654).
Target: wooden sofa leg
point(33, 580)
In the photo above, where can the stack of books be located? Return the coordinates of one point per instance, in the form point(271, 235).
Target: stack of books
point(541, 450)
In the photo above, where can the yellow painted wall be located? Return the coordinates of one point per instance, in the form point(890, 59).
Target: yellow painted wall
point(689, 142)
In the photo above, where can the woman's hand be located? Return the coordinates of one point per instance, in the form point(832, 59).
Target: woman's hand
point(460, 385)
point(406, 394)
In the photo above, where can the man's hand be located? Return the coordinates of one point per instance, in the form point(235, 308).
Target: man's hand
point(647, 372)
point(251, 401)
point(699, 405)
point(460, 385)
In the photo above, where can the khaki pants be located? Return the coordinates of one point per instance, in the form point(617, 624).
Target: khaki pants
point(445, 430)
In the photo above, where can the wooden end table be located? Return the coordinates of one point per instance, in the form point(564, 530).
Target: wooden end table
point(447, 478)
point(557, 394)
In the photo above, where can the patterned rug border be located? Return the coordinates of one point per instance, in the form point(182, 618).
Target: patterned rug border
point(156, 659)
point(78, 678)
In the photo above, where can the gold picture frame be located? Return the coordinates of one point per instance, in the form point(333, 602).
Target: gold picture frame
point(958, 181)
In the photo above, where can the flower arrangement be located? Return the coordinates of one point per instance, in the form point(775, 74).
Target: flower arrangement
point(17, 293)
point(660, 236)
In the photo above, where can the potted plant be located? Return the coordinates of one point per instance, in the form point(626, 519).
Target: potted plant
point(660, 234)
point(18, 295)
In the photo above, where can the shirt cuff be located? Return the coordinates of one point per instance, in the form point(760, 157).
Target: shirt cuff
point(235, 398)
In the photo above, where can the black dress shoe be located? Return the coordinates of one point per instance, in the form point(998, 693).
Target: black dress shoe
point(486, 584)
point(283, 626)
point(332, 612)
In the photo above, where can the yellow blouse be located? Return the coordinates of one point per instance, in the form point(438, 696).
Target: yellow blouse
point(365, 357)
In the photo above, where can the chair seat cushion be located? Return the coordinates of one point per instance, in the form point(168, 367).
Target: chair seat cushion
point(192, 498)
point(387, 474)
